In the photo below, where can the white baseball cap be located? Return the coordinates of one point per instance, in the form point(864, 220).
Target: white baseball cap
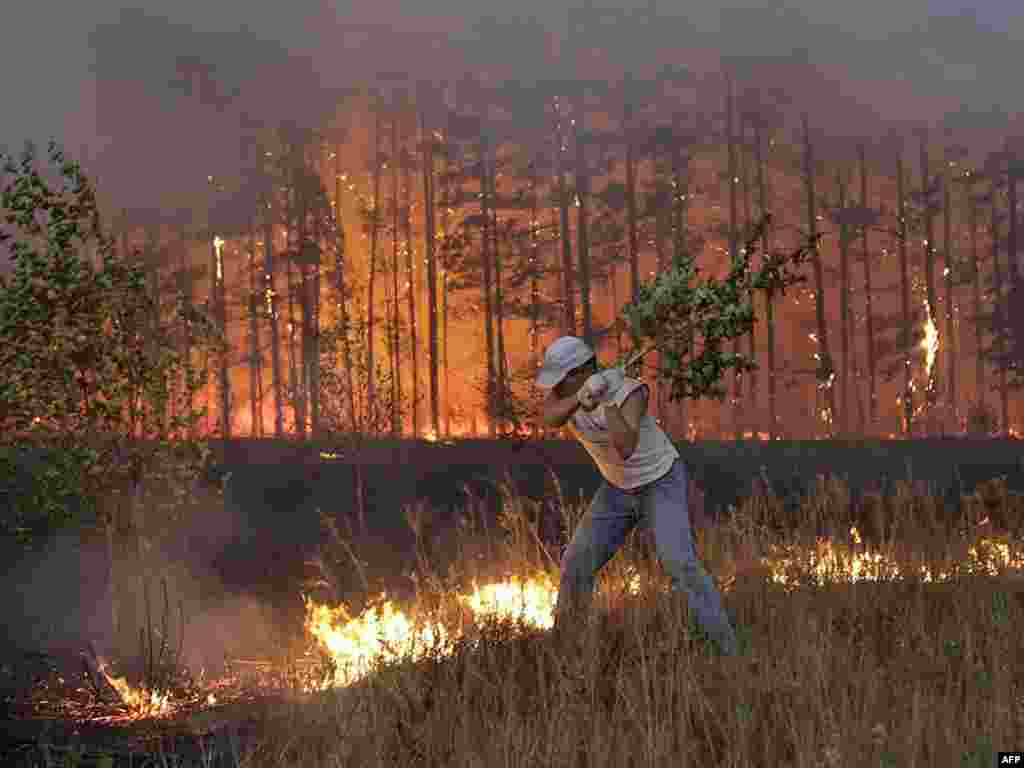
point(561, 357)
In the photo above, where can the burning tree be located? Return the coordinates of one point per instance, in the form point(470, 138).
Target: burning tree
point(95, 398)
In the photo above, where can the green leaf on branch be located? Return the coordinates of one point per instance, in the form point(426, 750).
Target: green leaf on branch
point(688, 318)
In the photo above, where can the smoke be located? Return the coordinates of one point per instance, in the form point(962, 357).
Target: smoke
point(57, 600)
point(156, 96)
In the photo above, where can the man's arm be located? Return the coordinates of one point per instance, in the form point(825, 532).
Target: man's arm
point(624, 422)
point(556, 411)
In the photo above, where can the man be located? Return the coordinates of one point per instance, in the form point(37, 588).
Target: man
point(644, 480)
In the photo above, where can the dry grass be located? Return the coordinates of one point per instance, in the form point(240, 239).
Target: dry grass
point(897, 673)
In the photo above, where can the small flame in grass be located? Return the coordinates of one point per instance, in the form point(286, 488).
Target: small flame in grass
point(831, 562)
point(142, 702)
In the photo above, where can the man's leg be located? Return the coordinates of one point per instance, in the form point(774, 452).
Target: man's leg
point(664, 505)
point(598, 536)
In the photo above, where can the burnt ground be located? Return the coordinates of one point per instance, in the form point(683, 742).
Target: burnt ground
point(49, 709)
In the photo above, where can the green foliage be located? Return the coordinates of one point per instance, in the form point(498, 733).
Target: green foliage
point(92, 380)
point(690, 320)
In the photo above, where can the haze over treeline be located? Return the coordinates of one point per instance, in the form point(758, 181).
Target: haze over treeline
point(157, 91)
point(173, 112)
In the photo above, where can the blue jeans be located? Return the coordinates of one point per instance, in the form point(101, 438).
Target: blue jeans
point(613, 513)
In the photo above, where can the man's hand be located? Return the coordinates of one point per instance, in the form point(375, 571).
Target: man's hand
point(601, 388)
point(592, 392)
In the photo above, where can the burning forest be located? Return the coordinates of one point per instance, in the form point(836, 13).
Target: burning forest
point(347, 241)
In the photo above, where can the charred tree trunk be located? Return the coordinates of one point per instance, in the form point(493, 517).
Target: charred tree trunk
point(221, 314)
point(999, 315)
point(255, 358)
point(752, 415)
point(825, 369)
point(371, 372)
point(870, 320)
point(341, 292)
point(908, 393)
point(445, 205)
point(499, 301)
point(312, 330)
point(568, 289)
point(680, 182)
point(631, 213)
point(429, 241)
point(294, 380)
point(844, 312)
point(769, 297)
point(583, 224)
point(396, 358)
point(951, 339)
point(276, 379)
point(737, 379)
point(410, 269)
point(488, 288)
point(979, 335)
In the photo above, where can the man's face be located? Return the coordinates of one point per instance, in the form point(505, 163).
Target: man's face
point(571, 384)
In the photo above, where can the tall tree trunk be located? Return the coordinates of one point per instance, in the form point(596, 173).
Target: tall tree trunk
point(568, 289)
point(371, 373)
point(631, 213)
point(445, 205)
point(730, 130)
point(255, 358)
point(752, 416)
point(312, 330)
point(583, 223)
point(680, 184)
point(947, 273)
point(825, 377)
point(499, 300)
point(769, 296)
point(870, 319)
point(341, 292)
point(908, 393)
point(276, 378)
point(979, 340)
point(298, 401)
point(220, 310)
point(488, 288)
point(411, 271)
point(396, 354)
point(999, 307)
point(188, 300)
point(844, 313)
point(931, 391)
point(430, 233)
point(1013, 270)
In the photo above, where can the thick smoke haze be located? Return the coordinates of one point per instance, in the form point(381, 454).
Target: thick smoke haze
point(153, 96)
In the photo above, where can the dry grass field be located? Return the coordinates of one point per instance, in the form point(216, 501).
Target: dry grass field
point(895, 641)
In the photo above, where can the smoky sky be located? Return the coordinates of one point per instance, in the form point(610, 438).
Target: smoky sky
point(153, 96)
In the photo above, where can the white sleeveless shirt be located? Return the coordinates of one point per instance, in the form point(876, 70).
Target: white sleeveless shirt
point(654, 453)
